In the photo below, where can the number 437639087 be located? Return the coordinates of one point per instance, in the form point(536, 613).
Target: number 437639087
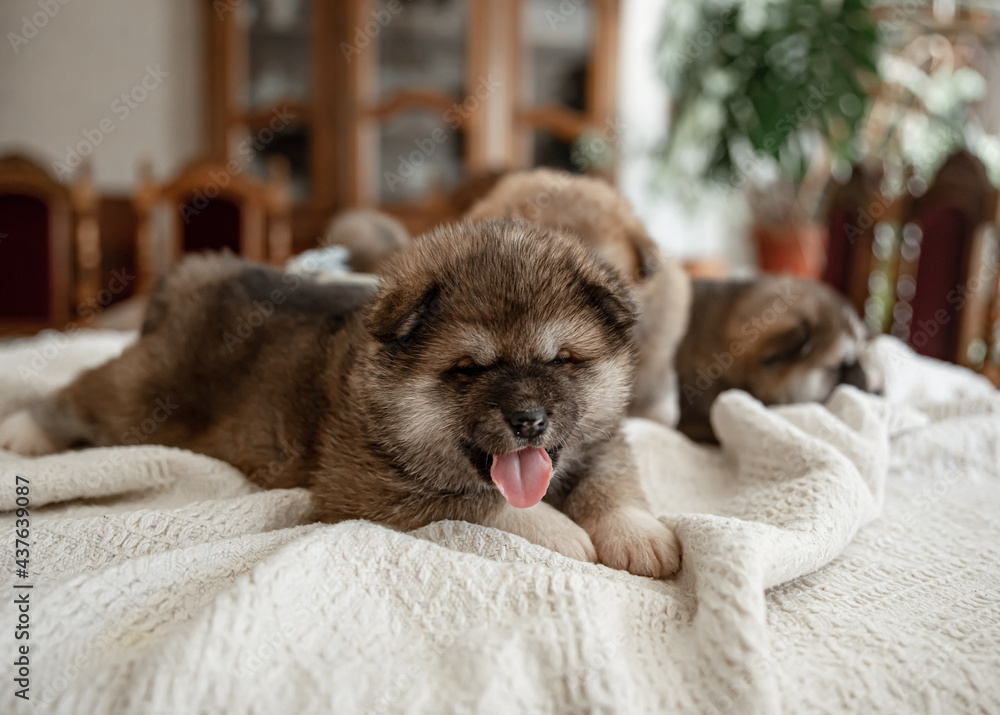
point(22, 525)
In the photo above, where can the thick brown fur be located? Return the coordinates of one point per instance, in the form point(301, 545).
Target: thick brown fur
point(781, 339)
point(388, 406)
point(604, 221)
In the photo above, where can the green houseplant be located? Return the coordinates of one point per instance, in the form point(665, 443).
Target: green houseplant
point(769, 97)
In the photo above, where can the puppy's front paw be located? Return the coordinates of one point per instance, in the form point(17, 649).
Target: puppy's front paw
point(632, 539)
point(20, 433)
point(569, 540)
point(546, 526)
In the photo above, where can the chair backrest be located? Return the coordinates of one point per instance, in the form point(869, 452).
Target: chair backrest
point(855, 209)
point(990, 332)
point(934, 273)
point(943, 258)
point(87, 236)
point(213, 207)
point(35, 246)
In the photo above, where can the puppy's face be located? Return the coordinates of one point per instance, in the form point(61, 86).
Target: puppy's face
point(500, 349)
point(802, 339)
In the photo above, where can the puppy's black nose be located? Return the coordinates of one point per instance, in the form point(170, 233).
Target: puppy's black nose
point(854, 374)
point(529, 423)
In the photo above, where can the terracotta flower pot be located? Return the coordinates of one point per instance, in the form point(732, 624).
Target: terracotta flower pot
point(712, 267)
point(798, 249)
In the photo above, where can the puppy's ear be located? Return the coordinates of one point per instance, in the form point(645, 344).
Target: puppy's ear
point(614, 304)
point(646, 250)
point(787, 343)
point(401, 313)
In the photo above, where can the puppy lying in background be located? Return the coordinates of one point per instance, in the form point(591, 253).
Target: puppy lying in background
point(371, 237)
point(485, 381)
point(603, 220)
point(783, 340)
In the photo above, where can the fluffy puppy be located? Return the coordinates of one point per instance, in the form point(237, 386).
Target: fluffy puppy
point(781, 339)
point(485, 381)
point(603, 220)
point(372, 237)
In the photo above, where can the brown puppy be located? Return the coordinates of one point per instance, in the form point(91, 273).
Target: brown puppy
point(372, 237)
point(603, 220)
point(783, 340)
point(491, 370)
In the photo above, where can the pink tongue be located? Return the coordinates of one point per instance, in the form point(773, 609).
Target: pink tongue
point(522, 477)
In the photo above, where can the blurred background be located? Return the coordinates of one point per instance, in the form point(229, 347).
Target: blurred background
point(850, 141)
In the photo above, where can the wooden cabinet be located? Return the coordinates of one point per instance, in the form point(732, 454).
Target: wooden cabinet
point(395, 103)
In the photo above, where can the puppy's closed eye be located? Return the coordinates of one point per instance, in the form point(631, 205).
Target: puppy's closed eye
point(467, 367)
point(565, 357)
point(788, 345)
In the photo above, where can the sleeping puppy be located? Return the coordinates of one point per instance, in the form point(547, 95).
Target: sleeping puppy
point(485, 381)
point(603, 220)
point(783, 340)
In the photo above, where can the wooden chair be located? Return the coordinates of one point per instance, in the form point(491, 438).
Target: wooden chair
point(210, 207)
point(50, 252)
point(944, 284)
point(855, 209)
point(947, 264)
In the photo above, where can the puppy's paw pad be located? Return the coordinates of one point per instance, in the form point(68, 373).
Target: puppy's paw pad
point(633, 540)
point(20, 433)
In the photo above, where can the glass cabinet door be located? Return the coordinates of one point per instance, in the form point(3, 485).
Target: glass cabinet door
point(278, 57)
point(422, 47)
point(420, 155)
point(275, 97)
point(417, 77)
point(558, 39)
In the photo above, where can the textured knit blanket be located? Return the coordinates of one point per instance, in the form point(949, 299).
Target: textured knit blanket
point(837, 558)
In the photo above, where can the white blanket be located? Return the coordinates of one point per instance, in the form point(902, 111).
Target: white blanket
point(836, 559)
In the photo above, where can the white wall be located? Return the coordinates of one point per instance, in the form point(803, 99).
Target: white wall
point(712, 229)
point(71, 74)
